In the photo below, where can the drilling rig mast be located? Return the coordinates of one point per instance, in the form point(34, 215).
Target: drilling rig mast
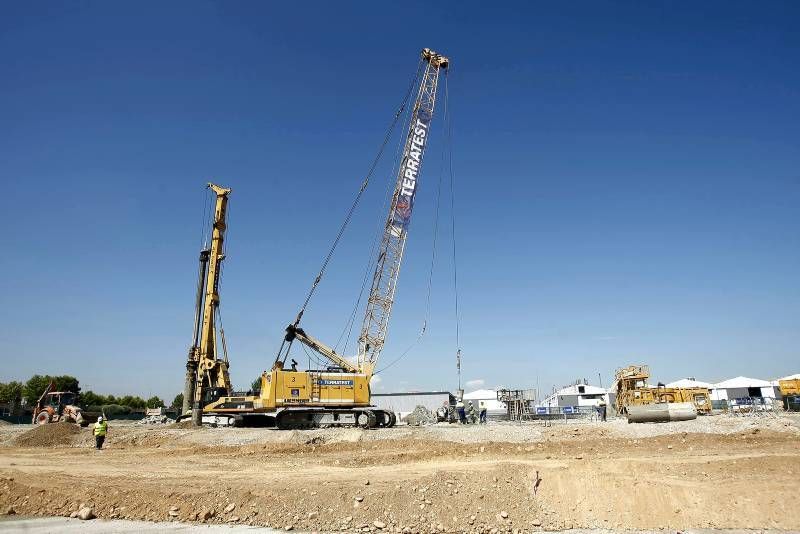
point(207, 376)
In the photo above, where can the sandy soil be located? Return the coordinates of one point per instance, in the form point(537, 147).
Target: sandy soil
point(716, 472)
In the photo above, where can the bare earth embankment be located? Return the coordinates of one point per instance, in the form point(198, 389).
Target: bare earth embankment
point(716, 472)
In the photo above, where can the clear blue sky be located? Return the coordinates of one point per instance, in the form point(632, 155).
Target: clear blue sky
point(628, 184)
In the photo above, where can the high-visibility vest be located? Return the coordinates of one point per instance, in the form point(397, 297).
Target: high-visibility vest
point(100, 429)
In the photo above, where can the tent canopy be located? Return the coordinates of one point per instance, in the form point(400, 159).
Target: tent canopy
point(689, 383)
point(742, 382)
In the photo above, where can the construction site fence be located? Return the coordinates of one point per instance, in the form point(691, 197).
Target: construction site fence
point(563, 413)
point(753, 406)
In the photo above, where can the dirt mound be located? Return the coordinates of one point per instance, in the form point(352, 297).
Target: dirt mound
point(49, 435)
point(184, 424)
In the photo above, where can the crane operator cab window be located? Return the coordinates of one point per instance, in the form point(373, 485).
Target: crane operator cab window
point(214, 394)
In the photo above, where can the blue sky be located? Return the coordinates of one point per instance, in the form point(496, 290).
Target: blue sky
point(627, 185)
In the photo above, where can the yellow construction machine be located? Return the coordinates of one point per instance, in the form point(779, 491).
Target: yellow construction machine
point(207, 377)
point(338, 393)
point(632, 389)
point(790, 391)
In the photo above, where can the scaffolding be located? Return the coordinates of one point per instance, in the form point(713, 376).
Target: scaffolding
point(518, 402)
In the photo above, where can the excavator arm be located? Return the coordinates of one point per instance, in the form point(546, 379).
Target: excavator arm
point(295, 333)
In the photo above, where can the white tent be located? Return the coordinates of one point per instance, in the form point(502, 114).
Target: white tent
point(741, 387)
point(689, 383)
point(791, 377)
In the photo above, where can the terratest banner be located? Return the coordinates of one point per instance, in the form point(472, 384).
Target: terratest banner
point(409, 171)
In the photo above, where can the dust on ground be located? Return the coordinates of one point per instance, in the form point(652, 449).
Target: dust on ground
point(718, 472)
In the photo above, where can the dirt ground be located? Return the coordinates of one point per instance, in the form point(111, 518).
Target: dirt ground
point(716, 472)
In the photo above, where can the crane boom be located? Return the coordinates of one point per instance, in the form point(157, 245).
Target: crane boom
point(390, 253)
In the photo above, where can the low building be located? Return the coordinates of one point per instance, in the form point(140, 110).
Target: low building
point(404, 403)
point(581, 395)
point(487, 398)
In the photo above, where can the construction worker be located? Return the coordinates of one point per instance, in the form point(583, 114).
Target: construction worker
point(483, 414)
point(462, 417)
point(471, 417)
point(100, 431)
point(601, 409)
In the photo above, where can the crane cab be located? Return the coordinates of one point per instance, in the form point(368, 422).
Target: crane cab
point(283, 388)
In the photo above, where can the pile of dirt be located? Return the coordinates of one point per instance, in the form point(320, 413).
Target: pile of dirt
point(49, 435)
point(421, 416)
point(186, 423)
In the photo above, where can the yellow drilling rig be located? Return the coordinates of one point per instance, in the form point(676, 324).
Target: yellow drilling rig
point(338, 393)
point(207, 376)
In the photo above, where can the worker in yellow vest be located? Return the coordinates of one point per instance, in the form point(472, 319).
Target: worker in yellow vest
point(100, 431)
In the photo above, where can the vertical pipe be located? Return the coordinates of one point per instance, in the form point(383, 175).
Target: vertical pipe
point(191, 361)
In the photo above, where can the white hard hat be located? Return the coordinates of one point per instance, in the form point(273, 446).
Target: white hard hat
point(100, 419)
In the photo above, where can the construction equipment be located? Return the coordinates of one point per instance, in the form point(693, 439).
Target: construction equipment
point(632, 389)
point(790, 391)
point(789, 387)
point(661, 412)
point(207, 377)
point(339, 394)
point(518, 402)
point(57, 406)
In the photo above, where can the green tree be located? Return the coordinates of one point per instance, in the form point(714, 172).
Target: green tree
point(11, 393)
point(34, 388)
point(177, 402)
point(90, 398)
point(255, 387)
point(155, 402)
point(132, 402)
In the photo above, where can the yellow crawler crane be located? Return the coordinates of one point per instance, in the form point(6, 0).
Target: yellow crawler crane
point(632, 390)
point(339, 393)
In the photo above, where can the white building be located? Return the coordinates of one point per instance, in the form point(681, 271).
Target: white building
point(487, 398)
point(577, 395)
point(743, 387)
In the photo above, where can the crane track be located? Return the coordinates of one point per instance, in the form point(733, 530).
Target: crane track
point(369, 417)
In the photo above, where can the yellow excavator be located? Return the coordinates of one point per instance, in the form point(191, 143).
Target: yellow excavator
point(339, 392)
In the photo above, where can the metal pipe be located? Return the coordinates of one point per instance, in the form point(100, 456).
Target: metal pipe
point(662, 412)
